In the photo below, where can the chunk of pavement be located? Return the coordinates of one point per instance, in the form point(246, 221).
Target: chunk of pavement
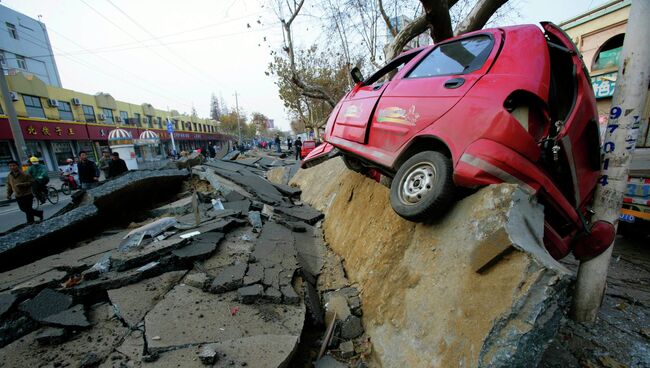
point(312, 302)
point(327, 361)
point(52, 336)
point(197, 250)
point(274, 246)
point(255, 220)
point(347, 349)
point(251, 294)
point(135, 257)
point(198, 280)
point(175, 325)
point(238, 206)
point(289, 295)
point(303, 213)
point(179, 207)
point(208, 354)
point(132, 302)
point(189, 161)
point(234, 196)
point(273, 295)
point(15, 327)
point(295, 226)
point(254, 274)
point(7, 301)
point(287, 190)
point(336, 304)
point(355, 305)
point(73, 317)
point(254, 184)
point(49, 279)
point(46, 303)
point(230, 278)
point(351, 327)
point(90, 360)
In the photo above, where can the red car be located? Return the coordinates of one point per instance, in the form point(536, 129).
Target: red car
point(512, 104)
point(307, 146)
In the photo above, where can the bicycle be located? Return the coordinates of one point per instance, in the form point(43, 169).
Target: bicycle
point(69, 184)
point(51, 195)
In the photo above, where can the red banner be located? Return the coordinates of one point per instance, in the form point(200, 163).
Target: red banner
point(45, 130)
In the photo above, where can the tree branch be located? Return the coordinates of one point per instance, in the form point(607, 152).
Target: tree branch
point(389, 24)
point(479, 15)
point(437, 15)
point(412, 30)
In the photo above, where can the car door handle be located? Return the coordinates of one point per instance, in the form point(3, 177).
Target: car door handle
point(454, 83)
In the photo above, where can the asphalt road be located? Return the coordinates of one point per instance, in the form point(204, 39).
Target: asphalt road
point(11, 215)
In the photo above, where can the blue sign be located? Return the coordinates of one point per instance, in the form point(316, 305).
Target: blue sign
point(626, 218)
point(170, 127)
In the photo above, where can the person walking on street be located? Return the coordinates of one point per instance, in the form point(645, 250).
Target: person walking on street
point(277, 143)
point(21, 183)
point(298, 144)
point(88, 171)
point(38, 172)
point(289, 143)
point(104, 162)
point(117, 166)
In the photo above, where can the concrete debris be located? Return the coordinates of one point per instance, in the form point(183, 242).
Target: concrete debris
point(48, 302)
point(233, 196)
point(7, 301)
point(89, 360)
point(312, 301)
point(52, 336)
point(289, 295)
point(241, 206)
point(189, 161)
point(232, 155)
point(230, 278)
point(254, 274)
point(302, 213)
point(199, 280)
point(251, 294)
point(346, 349)
point(144, 254)
point(177, 208)
point(152, 229)
point(273, 295)
point(255, 220)
point(74, 317)
point(253, 183)
point(49, 279)
point(288, 190)
point(351, 327)
point(201, 247)
point(267, 212)
point(14, 327)
point(208, 354)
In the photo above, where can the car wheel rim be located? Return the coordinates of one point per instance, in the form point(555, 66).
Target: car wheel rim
point(417, 183)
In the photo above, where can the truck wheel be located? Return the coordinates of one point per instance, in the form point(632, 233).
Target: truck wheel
point(423, 187)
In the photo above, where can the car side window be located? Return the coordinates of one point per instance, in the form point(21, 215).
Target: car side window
point(457, 57)
point(387, 72)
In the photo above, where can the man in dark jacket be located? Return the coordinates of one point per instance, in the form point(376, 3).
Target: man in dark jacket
point(298, 144)
point(117, 166)
point(88, 171)
point(21, 183)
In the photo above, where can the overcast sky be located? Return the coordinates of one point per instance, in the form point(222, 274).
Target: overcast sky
point(175, 54)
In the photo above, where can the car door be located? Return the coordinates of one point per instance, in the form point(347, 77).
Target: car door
point(358, 106)
point(418, 97)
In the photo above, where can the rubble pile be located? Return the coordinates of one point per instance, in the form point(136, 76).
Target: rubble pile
point(226, 277)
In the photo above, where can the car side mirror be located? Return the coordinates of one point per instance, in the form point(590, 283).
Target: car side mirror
point(356, 75)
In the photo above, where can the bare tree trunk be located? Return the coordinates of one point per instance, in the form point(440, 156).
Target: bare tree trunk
point(479, 15)
point(437, 15)
point(389, 25)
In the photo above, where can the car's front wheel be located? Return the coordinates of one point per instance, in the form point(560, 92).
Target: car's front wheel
point(423, 187)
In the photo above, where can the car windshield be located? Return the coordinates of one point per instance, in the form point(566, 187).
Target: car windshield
point(309, 144)
point(458, 57)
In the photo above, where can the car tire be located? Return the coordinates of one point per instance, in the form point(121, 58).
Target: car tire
point(354, 164)
point(423, 187)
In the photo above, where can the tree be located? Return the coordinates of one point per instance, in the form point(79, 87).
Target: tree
point(259, 121)
point(215, 110)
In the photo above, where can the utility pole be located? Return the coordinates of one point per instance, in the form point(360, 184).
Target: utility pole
point(19, 140)
point(238, 124)
point(620, 139)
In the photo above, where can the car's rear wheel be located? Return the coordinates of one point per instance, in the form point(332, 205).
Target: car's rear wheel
point(423, 187)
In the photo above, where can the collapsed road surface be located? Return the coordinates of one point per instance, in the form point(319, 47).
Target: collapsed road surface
point(215, 277)
point(236, 270)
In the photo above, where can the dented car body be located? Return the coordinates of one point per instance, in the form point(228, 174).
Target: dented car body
point(511, 104)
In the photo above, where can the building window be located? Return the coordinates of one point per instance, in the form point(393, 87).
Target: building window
point(108, 116)
point(136, 118)
point(149, 121)
point(176, 124)
point(125, 117)
point(65, 111)
point(20, 60)
point(11, 28)
point(159, 120)
point(33, 106)
point(89, 113)
point(188, 126)
point(3, 60)
point(608, 56)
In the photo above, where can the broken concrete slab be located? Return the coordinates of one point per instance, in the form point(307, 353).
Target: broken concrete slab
point(502, 316)
point(234, 197)
point(288, 190)
point(179, 207)
point(289, 295)
point(7, 301)
point(115, 279)
point(302, 213)
point(13, 327)
point(46, 303)
point(188, 316)
point(351, 327)
point(132, 302)
point(230, 278)
point(241, 206)
point(52, 336)
point(208, 354)
point(266, 351)
point(251, 294)
point(199, 280)
point(51, 278)
point(347, 349)
point(253, 183)
point(74, 317)
point(198, 249)
point(254, 274)
point(144, 254)
point(273, 295)
point(189, 161)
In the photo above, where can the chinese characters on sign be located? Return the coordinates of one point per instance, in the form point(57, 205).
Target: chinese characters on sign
point(604, 85)
point(45, 131)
